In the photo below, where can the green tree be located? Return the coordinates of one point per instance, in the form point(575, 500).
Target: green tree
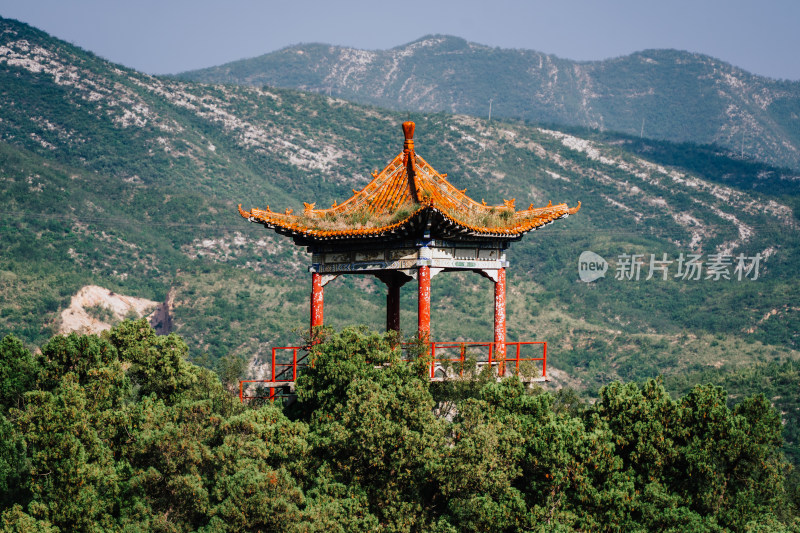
point(647, 431)
point(158, 363)
point(256, 467)
point(13, 463)
point(731, 459)
point(120, 432)
point(72, 480)
point(17, 372)
point(371, 423)
point(478, 470)
point(15, 520)
point(83, 356)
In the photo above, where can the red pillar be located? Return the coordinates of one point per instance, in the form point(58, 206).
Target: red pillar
point(317, 299)
point(500, 320)
point(424, 314)
point(393, 307)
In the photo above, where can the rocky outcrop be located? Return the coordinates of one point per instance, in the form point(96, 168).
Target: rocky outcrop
point(94, 309)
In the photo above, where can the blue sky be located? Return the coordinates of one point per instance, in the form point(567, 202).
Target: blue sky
point(169, 36)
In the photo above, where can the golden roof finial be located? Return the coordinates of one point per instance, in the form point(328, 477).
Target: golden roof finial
point(408, 159)
point(408, 131)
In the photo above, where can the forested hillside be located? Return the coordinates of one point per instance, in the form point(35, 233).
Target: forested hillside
point(114, 178)
point(120, 433)
point(661, 94)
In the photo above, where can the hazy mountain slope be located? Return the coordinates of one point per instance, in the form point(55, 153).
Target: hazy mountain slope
point(127, 181)
point(665, 94)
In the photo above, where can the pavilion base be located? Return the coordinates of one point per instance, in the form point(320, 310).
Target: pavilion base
point(527, 381)
point(449, 361)
point(286, 389)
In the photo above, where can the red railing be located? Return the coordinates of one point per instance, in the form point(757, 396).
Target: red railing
point(282, 374)
point(483, 353)
point(442, 367)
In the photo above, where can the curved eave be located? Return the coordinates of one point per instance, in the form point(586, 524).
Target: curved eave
point(443, 224)
point(521, 223)
point(292, 226)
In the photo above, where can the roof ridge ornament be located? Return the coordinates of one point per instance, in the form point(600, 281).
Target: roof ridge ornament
point(409, 159)
point(408, 132)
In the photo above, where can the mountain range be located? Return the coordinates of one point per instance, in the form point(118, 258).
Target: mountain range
point(130, 182)
point(661, 94)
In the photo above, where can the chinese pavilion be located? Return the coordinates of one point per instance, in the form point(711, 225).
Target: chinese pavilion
point(409, 223)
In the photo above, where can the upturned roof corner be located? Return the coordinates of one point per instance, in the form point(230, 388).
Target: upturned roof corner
point(402, 198)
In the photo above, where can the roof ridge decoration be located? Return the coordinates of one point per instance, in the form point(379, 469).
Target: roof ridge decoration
point(409, 159)
point(405, 196)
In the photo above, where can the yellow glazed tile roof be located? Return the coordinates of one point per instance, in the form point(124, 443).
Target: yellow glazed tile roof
point(399, 197)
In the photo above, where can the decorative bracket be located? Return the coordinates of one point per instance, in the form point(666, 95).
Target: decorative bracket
point(327, 278)
point(491, 274)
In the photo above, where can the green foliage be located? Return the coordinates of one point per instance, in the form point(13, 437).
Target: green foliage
point(697, 453)
point(776, 381)
point(17, 371)
point(231, 368)
point(371, 423)
point(732, 458)
point(13, 463)
point(401, 214)
point(72, 479)
point(15, 520)
point(87, 358)
point(120, 432)
point(478, 486)
point(158, 363)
